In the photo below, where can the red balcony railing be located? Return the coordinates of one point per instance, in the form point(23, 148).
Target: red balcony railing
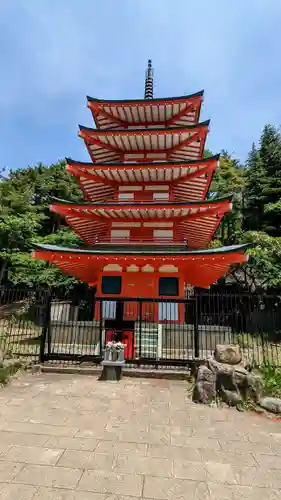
point(125, 240)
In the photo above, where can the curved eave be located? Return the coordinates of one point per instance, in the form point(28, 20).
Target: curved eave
point(144, 131)
point(128, 165)
point(144, 144)
point(141, 205)
point(199, 268)
point(193, 222)
point(189, 180)
point(142, 252)
point(161, 100)
point(176, 112)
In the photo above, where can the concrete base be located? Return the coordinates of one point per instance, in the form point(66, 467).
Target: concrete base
point(111, 370)
point(182, 373)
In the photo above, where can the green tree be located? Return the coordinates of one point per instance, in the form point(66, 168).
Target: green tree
point(25, 218)
point(254, 196)
point(270, 154)
point(264, 264)
point(263, 184)
point(19, 223)
point(229, 179)
point(45, 183)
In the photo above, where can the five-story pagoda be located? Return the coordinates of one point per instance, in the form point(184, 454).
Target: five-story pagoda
point(146, 220)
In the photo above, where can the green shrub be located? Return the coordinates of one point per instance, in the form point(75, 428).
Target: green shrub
point(271, 380)
point(4, 375)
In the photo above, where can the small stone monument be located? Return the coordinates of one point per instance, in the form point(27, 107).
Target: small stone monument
point(113, 362)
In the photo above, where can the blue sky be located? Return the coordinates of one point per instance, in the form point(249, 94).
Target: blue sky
point(55, 52)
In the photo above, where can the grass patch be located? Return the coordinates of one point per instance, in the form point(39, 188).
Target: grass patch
point(4, 375)
point(271, 377)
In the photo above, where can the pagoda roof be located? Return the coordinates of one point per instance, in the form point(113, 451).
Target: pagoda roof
point(196, 221)
point(164, 144)
point(171, 111)
point(139, 204)
point(140, 250)
point(190, 180)
point(200, 267)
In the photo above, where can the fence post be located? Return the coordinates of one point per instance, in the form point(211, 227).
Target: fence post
point(101, 323)
point(195, 326)
point(45, 335)
point(140, 327)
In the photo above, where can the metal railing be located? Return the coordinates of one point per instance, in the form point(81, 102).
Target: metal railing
point(41, 325)
point(129, 240)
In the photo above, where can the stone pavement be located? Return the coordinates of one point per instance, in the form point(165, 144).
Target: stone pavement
point(70, 437)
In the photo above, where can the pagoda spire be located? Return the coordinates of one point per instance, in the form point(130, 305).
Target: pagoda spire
point(148, 89)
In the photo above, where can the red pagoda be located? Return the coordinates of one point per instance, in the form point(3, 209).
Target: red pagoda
point(146, 220)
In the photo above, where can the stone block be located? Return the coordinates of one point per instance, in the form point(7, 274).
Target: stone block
point(46, 475)
point(254, 387)
point(205, 387)
point(229, 354)
point(111, 371)
point(271, 404)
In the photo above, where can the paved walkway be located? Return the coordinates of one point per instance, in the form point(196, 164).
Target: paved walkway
point(66, 437)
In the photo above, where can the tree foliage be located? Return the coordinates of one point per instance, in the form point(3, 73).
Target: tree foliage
point(263, 186)
point(264, 258)
point(255, 188)
point(229, 180)
point(25, 218)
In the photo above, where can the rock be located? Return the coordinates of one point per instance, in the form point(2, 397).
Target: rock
point(214, 365)
point(205, 387)
point(271, 404)
point(236, 378)
point(229, 354)
point(225, 380)
point(12, 365)
point(240, 380)
point(229, 380)
point(36, 369)
point(254, 387)
point(11, 362)
point(232, 398)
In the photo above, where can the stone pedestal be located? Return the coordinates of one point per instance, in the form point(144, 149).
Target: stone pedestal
point(111, 370)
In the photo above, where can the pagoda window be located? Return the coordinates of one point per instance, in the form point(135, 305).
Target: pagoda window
point(122, 234)
point(168, 287)
point(125, 196)
point(130, 188)
point(161, 196)
point(164, 233)
point(158, 224)
point(126, 224)
point(168, 311)
point(158, 188)
point(111, 285)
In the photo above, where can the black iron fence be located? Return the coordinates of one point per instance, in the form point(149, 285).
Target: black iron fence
point(41, 325)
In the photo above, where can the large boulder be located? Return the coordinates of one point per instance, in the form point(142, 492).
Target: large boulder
point(225, 380)
point(229, 354)
point(271, 404)
point(205, 386)
point(234, 383)
point(214, 365)
point(228, 376)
